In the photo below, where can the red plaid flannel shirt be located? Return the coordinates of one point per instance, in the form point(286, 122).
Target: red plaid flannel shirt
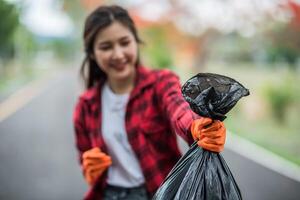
point(155, 111)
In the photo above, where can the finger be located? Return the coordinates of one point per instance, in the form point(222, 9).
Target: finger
point(216, 125)
point(90, 153)
point(221, 132)
point(198, 125)
point(88, 161)
point(93, 169)
point(195, 133)
point(95, 157)
point(211, 147)
point(218, 141)
point(97, 173)
point(91, 162)
point(100, 159)
point(95, 149)
point(202, 137)
point(99, 165)
point(205, 121)
point(212, 135)
point(93, 173)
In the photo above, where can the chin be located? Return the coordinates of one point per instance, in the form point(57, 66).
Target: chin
point(122, 76)
point(126, 73)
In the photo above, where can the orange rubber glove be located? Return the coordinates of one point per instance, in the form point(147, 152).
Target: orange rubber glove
point(210, 134)
point(94, 163)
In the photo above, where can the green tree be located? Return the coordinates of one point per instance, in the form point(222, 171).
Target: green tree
point(284, 38)
point(284, 44)
point(8, 25)
point(157, 49)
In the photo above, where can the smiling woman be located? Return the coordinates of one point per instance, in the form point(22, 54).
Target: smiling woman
point(126, 120)
point(115, 52)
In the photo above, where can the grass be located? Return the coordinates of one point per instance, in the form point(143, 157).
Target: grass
point(281, 139)
point(11, 81)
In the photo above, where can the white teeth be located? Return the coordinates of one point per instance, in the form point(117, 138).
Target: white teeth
point(118, 65)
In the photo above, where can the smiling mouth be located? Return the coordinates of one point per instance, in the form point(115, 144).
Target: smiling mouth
point(119, 66)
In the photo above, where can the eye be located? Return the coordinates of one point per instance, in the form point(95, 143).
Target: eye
point(125, 43)
point(104, 47)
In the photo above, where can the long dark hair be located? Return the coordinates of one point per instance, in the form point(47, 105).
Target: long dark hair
point(99, 19)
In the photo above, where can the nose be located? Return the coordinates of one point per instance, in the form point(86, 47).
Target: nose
point(117, 53)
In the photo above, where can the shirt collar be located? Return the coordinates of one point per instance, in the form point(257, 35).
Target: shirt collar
point(142, 80)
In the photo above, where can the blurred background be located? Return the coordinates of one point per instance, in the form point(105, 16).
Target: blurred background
point(256, 42)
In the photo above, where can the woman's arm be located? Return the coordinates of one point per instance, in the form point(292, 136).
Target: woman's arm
point(82, 139)
point(182, 117)
point(172, 103)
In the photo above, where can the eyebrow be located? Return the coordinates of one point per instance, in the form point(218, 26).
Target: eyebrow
point(124, 38)
point(108, 42)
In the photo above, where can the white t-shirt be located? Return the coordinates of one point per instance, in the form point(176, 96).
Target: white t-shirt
point(125, 170)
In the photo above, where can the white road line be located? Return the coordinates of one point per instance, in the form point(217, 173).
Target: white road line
point(262, 156)
point(23, 96)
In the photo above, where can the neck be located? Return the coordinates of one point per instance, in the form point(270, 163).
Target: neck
point(122, 86)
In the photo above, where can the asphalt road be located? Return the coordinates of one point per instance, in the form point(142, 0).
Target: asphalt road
point(39, 159)
point(37, 151)
point(260, 183)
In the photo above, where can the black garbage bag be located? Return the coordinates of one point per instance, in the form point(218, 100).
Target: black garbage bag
point(212, 95)
point(201, 174)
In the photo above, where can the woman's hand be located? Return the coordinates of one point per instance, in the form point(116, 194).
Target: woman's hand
point(94, 163)
point(210, 134)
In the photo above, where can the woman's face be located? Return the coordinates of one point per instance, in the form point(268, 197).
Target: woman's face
point(115, 51)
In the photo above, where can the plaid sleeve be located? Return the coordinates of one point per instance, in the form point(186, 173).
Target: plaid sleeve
point(81, 134)
point(176, 109)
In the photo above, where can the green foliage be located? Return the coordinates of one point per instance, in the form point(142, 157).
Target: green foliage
point(8, 24)
point(157, 49)
point(283, 53)
point(252, 120)
point(280, 96)
point(64, 49)
point(25, 44)
point(160, 57)
point(284, 44)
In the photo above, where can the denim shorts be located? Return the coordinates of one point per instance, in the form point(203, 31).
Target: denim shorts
point(120, 193)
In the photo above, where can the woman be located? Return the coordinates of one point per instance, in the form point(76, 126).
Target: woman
point(125, 122)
